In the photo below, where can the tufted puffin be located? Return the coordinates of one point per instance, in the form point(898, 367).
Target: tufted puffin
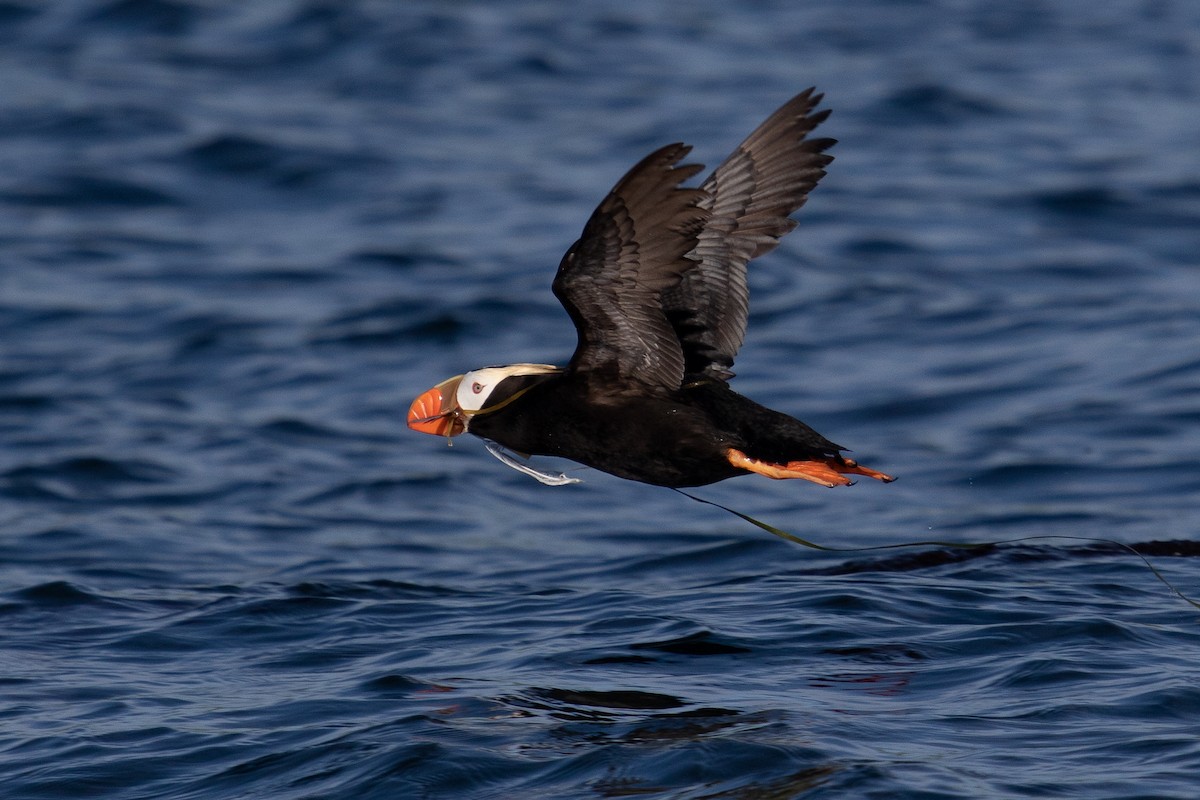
point(656, 288)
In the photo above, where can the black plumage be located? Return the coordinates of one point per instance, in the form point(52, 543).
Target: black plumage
point(656, 287)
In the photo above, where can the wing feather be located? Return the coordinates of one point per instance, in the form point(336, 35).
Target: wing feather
point(634, 248)
point(749, 198)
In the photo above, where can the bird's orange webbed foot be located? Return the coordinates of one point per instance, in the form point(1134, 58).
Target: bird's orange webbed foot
point(825, 472)
point(816, 471)
point(851, 466)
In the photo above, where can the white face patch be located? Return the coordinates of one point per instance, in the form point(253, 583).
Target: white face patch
point(476, 386)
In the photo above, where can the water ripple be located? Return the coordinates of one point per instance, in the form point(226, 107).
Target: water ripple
point(238, 238)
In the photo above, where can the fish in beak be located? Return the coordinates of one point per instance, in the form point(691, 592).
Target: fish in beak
point(437, 411)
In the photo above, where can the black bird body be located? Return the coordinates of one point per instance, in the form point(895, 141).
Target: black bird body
point(656, 287)
point(676, 438)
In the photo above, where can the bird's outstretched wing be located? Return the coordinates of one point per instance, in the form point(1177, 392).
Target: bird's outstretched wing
point(749, 198)
point(633, 249)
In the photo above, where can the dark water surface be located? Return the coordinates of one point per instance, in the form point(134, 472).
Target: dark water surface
point(237, 238)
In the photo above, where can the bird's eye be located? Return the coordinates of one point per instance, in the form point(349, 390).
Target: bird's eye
point(476, 387)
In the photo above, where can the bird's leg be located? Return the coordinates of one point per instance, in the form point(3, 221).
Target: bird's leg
point(826, 472)
point(816, 471)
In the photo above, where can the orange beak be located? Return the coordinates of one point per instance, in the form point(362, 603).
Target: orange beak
point(436, 411)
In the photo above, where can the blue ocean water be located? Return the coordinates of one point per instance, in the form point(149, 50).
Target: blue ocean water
point(237, 239)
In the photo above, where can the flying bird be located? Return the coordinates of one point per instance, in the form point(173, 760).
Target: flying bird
point(656, 288)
